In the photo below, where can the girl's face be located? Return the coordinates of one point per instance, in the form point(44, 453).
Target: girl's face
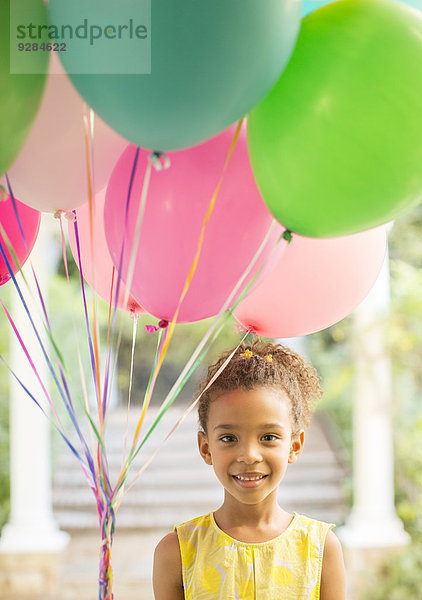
point(249, 442)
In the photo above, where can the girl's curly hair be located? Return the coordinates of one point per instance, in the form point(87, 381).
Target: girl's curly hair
point(269, 365)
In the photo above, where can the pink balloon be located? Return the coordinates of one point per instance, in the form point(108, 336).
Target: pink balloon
point(29, 220)
point(97, 267)
point(50, 172)
point(316, 283)
point(176, 206)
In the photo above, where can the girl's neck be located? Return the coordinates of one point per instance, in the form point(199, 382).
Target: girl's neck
point(252, 522)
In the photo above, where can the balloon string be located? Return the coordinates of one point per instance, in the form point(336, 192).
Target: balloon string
point(88, 122)
point(128, 462)
point(137, 232)
point(112, 309)
point(46, 321)
point(65, 263)
point(133, 254)
point(119, 278)
point(85, 306)
point(93, 429)
point(189, 277)
point(5, 236)
point(75, 335)
point(15, 210)
point(122, 248)
point(90, 344)
point(106, 574)
point(31, 363)
point(40, 296)
point(135, 325)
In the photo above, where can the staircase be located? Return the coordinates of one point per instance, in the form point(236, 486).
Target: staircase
point(178, 485)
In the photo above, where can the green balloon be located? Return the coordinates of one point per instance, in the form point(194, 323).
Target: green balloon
point(336, 147)
point(21, 94)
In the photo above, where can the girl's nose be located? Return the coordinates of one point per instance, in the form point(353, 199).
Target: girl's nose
point(249, 454)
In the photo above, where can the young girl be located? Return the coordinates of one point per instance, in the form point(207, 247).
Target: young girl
point(252, 421)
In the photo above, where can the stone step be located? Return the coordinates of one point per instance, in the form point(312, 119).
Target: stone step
point(157, 518)
point(201, 496)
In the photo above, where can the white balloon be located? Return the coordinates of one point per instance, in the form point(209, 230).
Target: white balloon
point(50, 172)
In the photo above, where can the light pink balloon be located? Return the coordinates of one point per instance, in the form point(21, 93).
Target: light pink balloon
point(50, 172)
point(97, 267)
point(176, 206)
point(29, 220)
point(316, 283)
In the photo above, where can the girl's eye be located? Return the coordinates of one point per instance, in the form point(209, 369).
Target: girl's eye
point(228, 438)
point(269, 437)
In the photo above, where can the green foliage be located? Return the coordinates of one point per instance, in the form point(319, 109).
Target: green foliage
point(405, 239)
point(405, 337)
point(400, 577)
point(406, 349)
point(331, 354)
point(409, 475)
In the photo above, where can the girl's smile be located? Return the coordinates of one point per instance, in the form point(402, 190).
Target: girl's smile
point(249, 480)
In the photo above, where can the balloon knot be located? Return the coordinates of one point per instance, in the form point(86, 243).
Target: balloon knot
point(70, 215)
point(134, 309)
point(159, 161)
point(287, 235)
point(3, 193)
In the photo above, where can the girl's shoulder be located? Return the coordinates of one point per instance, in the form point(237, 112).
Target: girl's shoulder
point(168, 562)
point(167, 552)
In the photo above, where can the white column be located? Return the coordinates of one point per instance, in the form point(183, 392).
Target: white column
point(373, 522)
point(31, 528)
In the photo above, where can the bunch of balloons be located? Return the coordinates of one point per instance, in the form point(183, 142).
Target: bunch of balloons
point(332, 152)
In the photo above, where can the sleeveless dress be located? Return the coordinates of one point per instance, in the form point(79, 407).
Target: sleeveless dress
point(215, 566)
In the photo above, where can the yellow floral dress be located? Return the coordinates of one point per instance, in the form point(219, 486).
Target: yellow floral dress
point(217, 567)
